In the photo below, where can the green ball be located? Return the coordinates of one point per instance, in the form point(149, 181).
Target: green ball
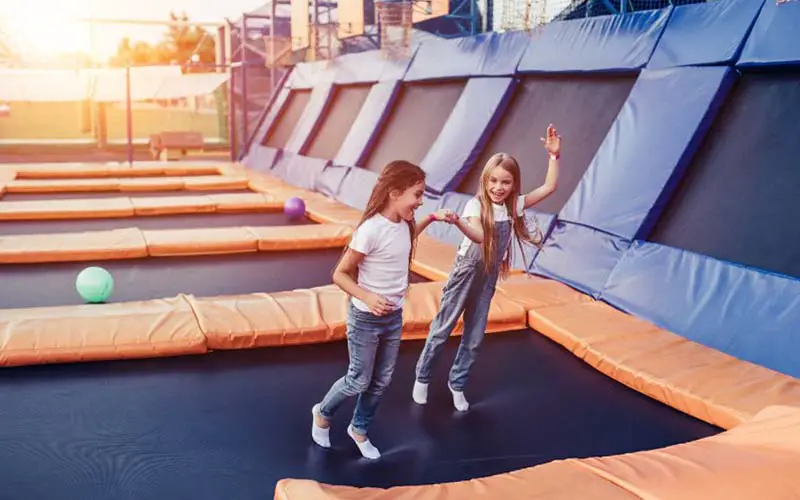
point(94, 284)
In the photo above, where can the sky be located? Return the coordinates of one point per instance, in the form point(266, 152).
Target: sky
point(47, 27)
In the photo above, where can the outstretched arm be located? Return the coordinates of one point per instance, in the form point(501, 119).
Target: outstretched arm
point(439, 215)
point(552, 143)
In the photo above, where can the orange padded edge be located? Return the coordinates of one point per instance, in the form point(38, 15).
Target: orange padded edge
point(245, 202)
point(171, 206)
point(164, 183)
point(759, 459)
point(6, 176)
point(690, 377)
point(66, 209)
point(62, 185)
point(209, 182)
point(533, 292)
point(320, 315)
point(146, 329)
point(87, 170)
point(304, 237)
point(199, 241)
point(70, 247)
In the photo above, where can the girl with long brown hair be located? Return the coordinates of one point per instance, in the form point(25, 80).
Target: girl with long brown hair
point(488, 222)
point(374, 272)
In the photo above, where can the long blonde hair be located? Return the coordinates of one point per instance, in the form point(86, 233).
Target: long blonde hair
point(510, 165)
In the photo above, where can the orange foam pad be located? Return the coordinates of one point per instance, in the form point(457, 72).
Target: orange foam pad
point(62, 185)
point(203, 204)
point(758, 459)
point(6, 176)
point(209, 182)
point(320, 315)
point(693, 378)
point(66, 209)
point(69, 247)
point(164, 183)
point(533, 292)
point(203, 241)
point(87, 170)
point(145, 329)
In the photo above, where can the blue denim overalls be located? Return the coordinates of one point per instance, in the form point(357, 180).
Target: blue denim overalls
point(469, 290)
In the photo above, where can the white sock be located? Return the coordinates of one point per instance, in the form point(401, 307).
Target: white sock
point(365, 447)
point(420, 393)
point(320, 435)
point(459, 400)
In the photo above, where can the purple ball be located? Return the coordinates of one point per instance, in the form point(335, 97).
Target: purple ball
point(294, 207)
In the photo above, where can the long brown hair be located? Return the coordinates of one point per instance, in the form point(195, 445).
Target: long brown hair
point(397, 175)
point(510, 165)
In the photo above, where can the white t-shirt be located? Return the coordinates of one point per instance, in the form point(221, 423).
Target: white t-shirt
point(473, 209)
point(384, 269)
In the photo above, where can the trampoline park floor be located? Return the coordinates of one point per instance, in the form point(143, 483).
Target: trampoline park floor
point(230, 424)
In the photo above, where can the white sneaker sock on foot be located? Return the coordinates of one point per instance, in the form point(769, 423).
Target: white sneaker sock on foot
point(420, 393)
point(320, 435)
point(459, 400)
point(365, 447)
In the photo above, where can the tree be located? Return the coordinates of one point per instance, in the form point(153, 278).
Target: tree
point(182, 43)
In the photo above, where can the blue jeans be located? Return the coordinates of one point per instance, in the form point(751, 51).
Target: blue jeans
point(373, 343)
point(469, 290)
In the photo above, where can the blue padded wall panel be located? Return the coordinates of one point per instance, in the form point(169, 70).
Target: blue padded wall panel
point(356, 187)
point(647, 149)
point(300, 171)
point(466, 131)
point(365, 128)
point(579, 256)
point(261, 158)
point(774, 39)
point(330, 180)
point(705, 33)
point(486, 54)
point(524, 257)
point(275, 110)
point(311, 118)
point(307, 75)
point(746, 313)
point(607, 43)
point(368, 67)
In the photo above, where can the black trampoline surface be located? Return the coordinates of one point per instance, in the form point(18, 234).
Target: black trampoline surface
point(738, 200)
point(347, 102)
point(183, 221)
point(53, 284)
point(582, 108)
point(417, 117)
point(117, 194)
point(231, 423)
point(287, 119)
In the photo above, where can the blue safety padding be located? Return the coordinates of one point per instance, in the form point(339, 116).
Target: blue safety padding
point(298, 170)
point(356, 187)
point(546, 222)
point(270, 120)
point(330, 180)
point(705, 33)
point(606, 43)
point(368, 67)
point(581, 257)
point(749, 314)
point(466, 131)
point(648, 148)
point(311, 119)
point(261, 158)
point(486, 54)
point(307, 75)
point(366, 127)
point(774, 38)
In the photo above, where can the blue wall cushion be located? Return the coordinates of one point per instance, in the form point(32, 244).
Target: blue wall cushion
point(330, 180)
point(486, 54)
point(647, 149)
point(607, 43)
point(705, 33)
point(261, 158)
point(369, 67)
point(579, 256)
point(356, 188)
point(774, 40)
point(298, 170)
point(749, 314)
point(307, 75)
point(466, 131)
point(365, 128)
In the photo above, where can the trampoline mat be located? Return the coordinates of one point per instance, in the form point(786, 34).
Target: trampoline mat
point(186, 221)
point(231, 423)
point(33, 285)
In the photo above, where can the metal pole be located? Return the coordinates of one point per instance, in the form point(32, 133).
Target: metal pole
point(243, 55)
point(129, 112)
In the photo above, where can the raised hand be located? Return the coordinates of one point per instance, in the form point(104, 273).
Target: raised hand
point(552, 141)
